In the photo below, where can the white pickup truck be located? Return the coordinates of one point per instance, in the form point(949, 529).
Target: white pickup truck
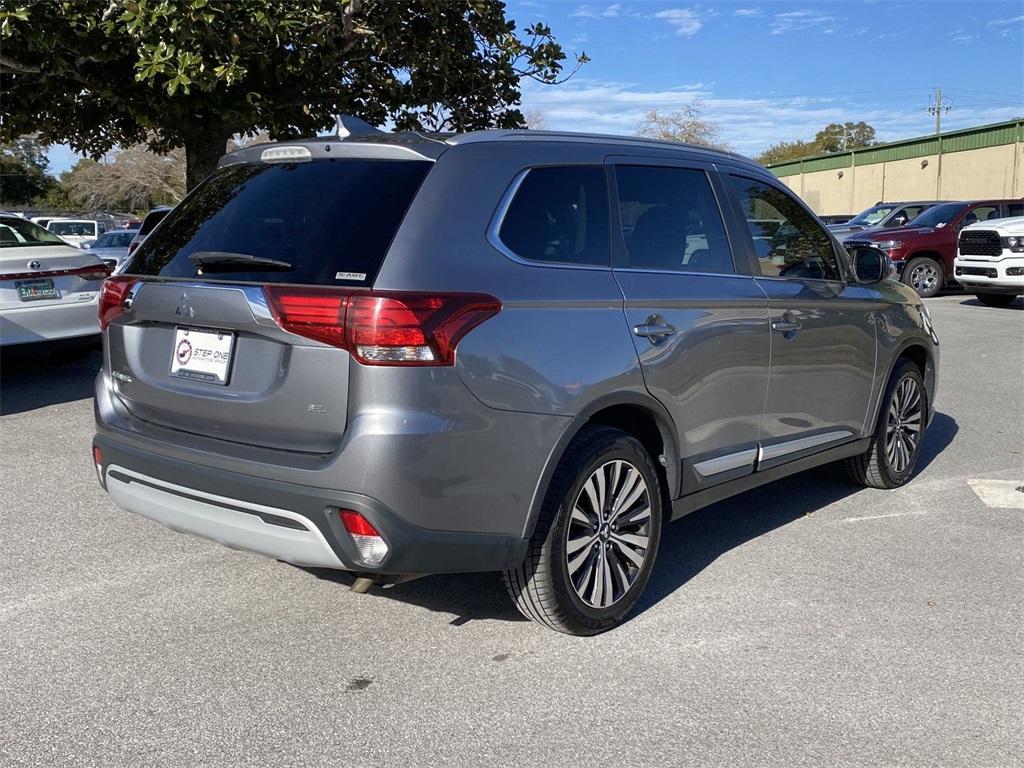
point(990, 260)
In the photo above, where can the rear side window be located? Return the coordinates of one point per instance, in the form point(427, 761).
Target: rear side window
point(559, 214)
point(789, 241)
point(670, 220)
point(323, 222)
point(152, 219)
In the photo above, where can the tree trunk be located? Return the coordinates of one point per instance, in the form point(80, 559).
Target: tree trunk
point(202, 151)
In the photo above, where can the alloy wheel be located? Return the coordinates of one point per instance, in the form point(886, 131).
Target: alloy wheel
point(924, 278)
point(608, 536)
point(903, 425)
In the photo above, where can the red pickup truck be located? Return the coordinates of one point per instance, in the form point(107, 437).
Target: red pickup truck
point(923, 251)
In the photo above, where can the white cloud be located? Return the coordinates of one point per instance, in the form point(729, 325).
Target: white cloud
point(590, 12)
point(1005, 22)
point(749, 124)
point(686, 20)
point(963, 37)
point(797, 21)
point(747, 12)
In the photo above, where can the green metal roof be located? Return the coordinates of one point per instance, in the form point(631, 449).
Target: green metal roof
point(993, 135)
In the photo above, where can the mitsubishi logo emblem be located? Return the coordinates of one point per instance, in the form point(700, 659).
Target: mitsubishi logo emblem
point(184, 307)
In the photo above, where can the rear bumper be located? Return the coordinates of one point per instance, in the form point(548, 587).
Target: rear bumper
point(290, 522)
point(27, 324)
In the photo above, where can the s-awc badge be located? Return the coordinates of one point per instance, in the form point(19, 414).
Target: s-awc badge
point(202, 355)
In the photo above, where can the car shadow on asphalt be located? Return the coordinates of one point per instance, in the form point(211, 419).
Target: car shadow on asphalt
point(688, 545)
point(1018, 304)
point(37, 375)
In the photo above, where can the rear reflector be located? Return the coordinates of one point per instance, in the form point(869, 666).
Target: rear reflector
point(97, 455)
point(382, 327)
point(112, 298)
point(372, 549)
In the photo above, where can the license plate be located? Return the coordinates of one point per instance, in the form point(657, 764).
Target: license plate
point(202, 355)
point(36, 290)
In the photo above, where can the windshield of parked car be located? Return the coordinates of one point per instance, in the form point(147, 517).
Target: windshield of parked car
point(73, 228)
point(939, 215)
point(872, 215)
point(18, 233)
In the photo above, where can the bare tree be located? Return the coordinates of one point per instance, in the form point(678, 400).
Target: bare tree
point(687, 125)
point(535, 119)
point(136, 179)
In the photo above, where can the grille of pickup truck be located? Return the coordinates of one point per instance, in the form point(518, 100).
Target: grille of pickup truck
point(981, 243)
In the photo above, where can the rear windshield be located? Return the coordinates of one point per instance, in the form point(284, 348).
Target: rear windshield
point(17, 233)
point(321, 222)
point(72, 228)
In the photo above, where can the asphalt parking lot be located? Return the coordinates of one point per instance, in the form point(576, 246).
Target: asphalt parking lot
point(804, 623)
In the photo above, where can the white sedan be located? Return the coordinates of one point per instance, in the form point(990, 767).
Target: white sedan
point(48, 289)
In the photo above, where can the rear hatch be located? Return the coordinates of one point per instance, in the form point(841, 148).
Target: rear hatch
point(37, 269)
point(201, 348)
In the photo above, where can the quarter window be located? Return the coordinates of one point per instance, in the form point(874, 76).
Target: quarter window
point(559, 214)
point(670, 220)
point(787, 239)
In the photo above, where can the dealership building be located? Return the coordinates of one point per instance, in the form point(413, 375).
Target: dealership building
point(982, 162)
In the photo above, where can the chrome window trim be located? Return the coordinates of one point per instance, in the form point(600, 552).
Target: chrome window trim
point(682, 272)
point(494, 229)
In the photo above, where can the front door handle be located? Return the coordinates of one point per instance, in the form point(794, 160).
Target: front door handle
point(787, 326)
point(653, 331)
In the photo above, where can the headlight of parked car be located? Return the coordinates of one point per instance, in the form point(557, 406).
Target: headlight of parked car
point(889, 245)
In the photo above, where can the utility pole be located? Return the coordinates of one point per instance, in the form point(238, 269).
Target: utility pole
point(937, 109)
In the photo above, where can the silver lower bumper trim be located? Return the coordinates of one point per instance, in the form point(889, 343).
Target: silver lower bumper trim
point(231, 522)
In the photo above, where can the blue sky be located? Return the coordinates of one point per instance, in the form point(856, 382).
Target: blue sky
point(777, 70)
point(770, 71)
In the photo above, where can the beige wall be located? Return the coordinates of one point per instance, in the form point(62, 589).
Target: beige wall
point(974, 173)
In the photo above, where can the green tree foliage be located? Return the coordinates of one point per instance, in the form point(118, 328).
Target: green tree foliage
point(23, 177)
point(834, 137)
point(193, 73)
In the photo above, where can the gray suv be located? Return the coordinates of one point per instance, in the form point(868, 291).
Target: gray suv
point(515, 351)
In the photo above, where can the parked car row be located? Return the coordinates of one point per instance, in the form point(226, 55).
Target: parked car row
point(923, 249)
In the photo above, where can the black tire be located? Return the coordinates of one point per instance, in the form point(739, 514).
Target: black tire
point(926, 276)
point(542, 587)
point(874, 468)
point(996, 299)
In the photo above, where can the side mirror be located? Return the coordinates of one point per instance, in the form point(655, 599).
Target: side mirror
point(899, 221)
point(870, 265)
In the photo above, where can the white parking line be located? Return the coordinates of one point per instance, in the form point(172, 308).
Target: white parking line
point(1001, 494)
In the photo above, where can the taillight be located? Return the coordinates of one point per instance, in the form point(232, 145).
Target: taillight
point(382, 327)
point(92, 272)
point(112, 296)
point(372, 547)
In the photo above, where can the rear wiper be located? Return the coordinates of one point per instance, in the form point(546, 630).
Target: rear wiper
point(226, 260)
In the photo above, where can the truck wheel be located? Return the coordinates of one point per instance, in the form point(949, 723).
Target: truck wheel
point(595, 542)
point(896, 444)
point(924, 275)
point(996, 299)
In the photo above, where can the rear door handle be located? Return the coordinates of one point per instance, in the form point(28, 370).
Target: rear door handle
point(653, 331)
